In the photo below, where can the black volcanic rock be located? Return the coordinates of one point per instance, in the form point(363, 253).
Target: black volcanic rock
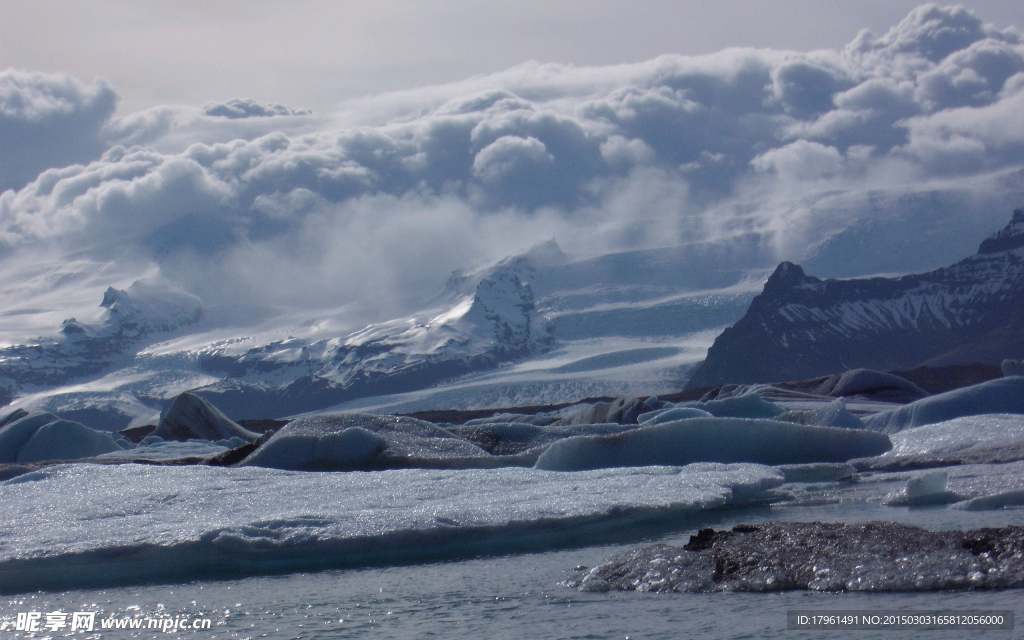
point(802, 327)
point(1011, 237)
point(784, 556)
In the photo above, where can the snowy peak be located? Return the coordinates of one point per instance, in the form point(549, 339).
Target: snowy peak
point(151, 306)
point(503, 309)
point(112, 297)
point(497, 324)
point(147, 307)
point(1009, 238)
point(546, 254)
point(525, 266)
point(788, 276)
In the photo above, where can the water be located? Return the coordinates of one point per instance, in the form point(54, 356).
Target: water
point(174, 519)
point(519, 596)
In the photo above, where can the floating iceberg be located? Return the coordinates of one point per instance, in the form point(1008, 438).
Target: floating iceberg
point(1013, 367)
point(877, 556)
point(876, 385)
point(713, 440)
point(1002, 395)
point(351, 448)
point(357, 441)
point(17, 414)
point(833, 414)
point(43, 436)
point(671, 414)
point(519, 438)
point(81, 525)
point(748, 405)
point(619, 411)
point(924, 489)
point(191, 417)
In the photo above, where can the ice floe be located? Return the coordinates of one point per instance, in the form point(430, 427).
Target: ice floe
point(84, 524)
point(991, 438)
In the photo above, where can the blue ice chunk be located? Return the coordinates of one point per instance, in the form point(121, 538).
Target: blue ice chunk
point(748, 405)
point(66, 440)
point(15, 434)
point(670, 414)
point(1002, 395)
point(353, 447)
point(924, 489)
point(833, 414)
point(713, 440)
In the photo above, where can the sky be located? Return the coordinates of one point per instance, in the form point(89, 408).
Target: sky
point(318, 53)
point(302, 155)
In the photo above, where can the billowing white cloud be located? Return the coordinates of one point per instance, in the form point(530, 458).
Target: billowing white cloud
point(801, 160)
point(247, 199)
point(49, 121)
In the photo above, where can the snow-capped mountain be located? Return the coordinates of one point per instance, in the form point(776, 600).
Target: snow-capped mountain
point(801, 326)
point(132, 317)
point(498, 323)
point(530, 329)
point(526, 308)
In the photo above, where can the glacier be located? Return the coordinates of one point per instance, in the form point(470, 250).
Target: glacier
point(530, 329)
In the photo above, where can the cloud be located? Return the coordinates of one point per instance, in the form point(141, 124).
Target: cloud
point(801, 160)
point(49, 121)
point(249, 108)
point(241, 198)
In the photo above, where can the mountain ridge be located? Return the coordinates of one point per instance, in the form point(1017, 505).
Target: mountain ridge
point(801, 326)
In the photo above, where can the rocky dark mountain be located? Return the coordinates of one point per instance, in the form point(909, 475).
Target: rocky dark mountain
point(801, 326)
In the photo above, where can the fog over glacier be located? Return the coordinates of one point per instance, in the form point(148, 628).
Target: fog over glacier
point(894, 152)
